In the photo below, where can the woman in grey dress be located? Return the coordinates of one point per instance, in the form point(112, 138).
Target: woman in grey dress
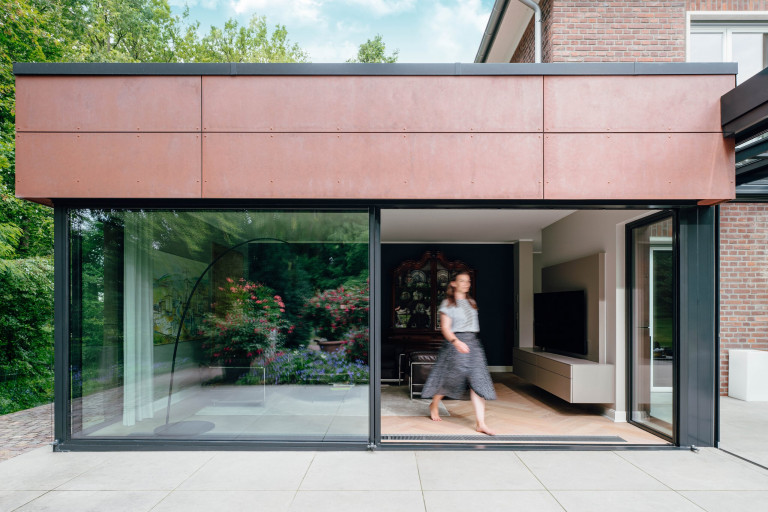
point(461, 361)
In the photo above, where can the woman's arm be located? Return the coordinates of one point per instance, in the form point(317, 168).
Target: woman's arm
point(445, 329)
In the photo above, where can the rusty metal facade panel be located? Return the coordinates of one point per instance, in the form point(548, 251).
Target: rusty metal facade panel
point(372, 165)
point(119, 165)
point(373, 137)
point(372, 104)
point(638, 104)
point(108, 104)
point(630, 166)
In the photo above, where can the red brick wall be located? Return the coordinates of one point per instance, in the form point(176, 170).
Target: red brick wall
point(525, 51)
point(727, 5)
point(618, 31)
point(743, 280)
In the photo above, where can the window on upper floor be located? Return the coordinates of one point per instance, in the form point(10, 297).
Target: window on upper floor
point(745, 42)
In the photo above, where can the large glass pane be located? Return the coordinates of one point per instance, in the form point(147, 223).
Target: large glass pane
point(748, 52)
point(653, 348)
point(707, 46)
point(213, 323)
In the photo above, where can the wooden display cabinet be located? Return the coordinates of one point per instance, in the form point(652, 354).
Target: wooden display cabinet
point(418, 288)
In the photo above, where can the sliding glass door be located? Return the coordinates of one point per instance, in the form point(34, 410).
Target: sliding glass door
point(652, 337)
point(219, 324)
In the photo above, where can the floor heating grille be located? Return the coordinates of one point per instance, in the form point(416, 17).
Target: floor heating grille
point(504, 438)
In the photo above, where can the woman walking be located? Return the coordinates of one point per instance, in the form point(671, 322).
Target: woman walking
point(461, 362)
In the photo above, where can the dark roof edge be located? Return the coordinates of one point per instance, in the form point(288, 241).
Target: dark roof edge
point(491, 29)
point(349, 69)
point(745, 97)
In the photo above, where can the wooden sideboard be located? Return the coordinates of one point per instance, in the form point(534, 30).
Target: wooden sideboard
point(578, 381)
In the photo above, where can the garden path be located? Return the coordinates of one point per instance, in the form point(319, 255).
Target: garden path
point(22, 431)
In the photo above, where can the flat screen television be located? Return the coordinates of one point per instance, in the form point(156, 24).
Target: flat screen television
point(560, 321)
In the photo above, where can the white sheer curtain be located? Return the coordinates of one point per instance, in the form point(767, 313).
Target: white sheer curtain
point(137, 320)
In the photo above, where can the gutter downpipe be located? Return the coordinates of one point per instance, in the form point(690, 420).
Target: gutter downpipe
point(497, 14)
point(536, 28)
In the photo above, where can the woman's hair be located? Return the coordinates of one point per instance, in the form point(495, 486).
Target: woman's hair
point(450, 291)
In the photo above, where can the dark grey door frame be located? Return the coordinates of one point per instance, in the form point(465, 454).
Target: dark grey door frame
point(629, 318)
point(699, 321)
point(695, 411)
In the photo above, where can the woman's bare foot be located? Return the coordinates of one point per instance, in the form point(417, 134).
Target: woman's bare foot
point(434, 411)
point(483, 429)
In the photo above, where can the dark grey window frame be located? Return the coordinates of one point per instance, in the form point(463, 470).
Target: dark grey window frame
point(690, 234)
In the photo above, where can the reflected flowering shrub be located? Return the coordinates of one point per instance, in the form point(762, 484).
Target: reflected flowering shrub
point(249, 324)
point(333, 313)
point(310, 367)
point(356, 344)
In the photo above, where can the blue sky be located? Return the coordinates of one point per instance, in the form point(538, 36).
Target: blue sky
point(332, 30)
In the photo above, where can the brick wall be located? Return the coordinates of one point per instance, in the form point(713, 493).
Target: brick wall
point(727, 5)
point(618, 31)
point(743, 280)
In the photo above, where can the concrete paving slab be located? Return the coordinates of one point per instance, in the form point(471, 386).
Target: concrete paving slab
point(357, 501)
point(94, 501)
point(626, 501)
point(139, 471)
point(519, 501)
point(273, 471)
point(206, 501)
point(577, 471)
point(708, 470)
point(455, 471)
point(362, 471)
point(11, 500)
point(728, 501)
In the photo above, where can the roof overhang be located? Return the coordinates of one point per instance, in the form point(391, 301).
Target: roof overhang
point(744, 116)
point(505, 28)
point(374, 132)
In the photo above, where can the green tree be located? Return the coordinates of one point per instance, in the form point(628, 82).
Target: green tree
point(121, 30)
point(82, 31)
point(246, 43)
point(374, 51)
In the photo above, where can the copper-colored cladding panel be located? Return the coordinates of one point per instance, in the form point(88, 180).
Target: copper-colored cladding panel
point(634, 103)
point(372, 104)
point(108, 103)
point(687, 166)
point(147, 165)
point(372, 166)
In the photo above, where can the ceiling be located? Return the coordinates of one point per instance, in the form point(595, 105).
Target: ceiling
point(467, 225)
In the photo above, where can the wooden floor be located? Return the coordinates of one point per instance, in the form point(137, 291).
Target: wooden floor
point(520, 410)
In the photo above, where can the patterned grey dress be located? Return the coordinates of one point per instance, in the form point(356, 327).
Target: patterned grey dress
point(454, 372)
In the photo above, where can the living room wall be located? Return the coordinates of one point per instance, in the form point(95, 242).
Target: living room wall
point(493, 264)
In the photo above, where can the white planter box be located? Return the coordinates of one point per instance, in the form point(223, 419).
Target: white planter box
point(748, 374)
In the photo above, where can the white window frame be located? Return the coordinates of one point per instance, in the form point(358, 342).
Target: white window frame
point(726, 23)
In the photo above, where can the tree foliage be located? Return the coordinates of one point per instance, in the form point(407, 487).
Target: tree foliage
point(82, 31)
point(374, 51)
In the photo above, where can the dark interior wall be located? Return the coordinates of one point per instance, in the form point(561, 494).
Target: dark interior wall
point(494, 286)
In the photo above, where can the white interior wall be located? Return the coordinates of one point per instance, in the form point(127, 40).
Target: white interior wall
point(587, 232)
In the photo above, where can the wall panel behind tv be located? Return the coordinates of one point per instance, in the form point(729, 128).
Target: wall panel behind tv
point(587, 274)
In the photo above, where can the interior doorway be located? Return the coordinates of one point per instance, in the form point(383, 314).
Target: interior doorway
point(507, 248)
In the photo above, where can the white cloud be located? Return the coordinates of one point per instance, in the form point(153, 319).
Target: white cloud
point(453, 30)
point(331, 51)
point(384, 7)
point(294, 11)
point(207, 4)
point(352, 27)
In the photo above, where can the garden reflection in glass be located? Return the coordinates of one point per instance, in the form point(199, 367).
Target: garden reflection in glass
point(248, 363)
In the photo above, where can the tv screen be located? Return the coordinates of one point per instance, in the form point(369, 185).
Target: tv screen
point(560, 321)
